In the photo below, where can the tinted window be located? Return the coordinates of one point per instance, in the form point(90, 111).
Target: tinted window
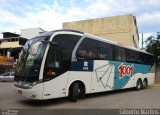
point(131, 56)
point(149, 59)
point(59, 56)
point(53, 65)
point(123, 54)
point(87, 49)
point(138, 57)
point(141, 58)
point(67, 43)
point(117, 53)
point(104, 51)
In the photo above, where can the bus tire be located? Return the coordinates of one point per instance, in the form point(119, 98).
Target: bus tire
point(73, 93)
point(81, 92)
point(145, 83)
point(139, 85)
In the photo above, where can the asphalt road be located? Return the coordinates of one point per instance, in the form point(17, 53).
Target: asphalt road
point(130, 99)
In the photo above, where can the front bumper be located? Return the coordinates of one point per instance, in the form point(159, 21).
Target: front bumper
point(35, 92)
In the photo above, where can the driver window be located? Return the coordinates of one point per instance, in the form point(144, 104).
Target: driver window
point(53, 63)
point(53, 59)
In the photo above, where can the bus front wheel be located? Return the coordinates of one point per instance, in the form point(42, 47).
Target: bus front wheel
point(74, 92)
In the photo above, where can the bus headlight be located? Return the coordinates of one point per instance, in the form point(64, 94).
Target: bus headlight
point(26, 85)
point(32, 84)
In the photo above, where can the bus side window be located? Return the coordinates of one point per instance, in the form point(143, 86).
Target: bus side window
point(132, 56)
point(149, 60)
point(117, 53)
point(123, 54)
point(66, 42)
point(104, 51)
point(87, 49)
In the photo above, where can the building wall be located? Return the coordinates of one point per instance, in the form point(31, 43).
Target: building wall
point(31, 32)
point(135, 32)
point(10, 44)
point(157, 75)
point(121, 29)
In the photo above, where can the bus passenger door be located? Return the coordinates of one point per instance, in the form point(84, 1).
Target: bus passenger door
point(55, 74)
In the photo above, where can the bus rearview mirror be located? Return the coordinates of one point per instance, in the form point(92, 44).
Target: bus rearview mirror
point(35, 48)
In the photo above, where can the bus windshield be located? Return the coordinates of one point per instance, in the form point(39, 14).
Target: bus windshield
point(30, 60)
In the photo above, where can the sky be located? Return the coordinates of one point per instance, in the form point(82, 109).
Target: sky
point(50, 14)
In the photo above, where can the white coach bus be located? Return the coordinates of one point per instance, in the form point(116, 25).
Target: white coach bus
point(69, 63)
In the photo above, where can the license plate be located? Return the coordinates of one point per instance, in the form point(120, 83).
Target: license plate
point(19, 91)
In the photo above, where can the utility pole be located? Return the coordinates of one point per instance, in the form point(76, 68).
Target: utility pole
point(142, 40)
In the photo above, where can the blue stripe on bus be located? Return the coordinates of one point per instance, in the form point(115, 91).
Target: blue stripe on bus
point(82, 66)
point(120, 82)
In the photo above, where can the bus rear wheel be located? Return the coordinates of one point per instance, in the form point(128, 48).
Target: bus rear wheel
point(145, 83)
point(139, 85)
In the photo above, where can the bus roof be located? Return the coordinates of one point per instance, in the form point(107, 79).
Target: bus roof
point(95, 38)
point(115, 43)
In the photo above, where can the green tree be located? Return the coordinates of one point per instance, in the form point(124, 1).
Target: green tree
point(153, 46)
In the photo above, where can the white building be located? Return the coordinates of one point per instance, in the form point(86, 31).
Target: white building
point(31, 32)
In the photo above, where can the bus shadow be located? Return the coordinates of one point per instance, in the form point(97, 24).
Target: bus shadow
point(107, 93)
point(41, 103)
point(113, 92)
point(59, 101)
